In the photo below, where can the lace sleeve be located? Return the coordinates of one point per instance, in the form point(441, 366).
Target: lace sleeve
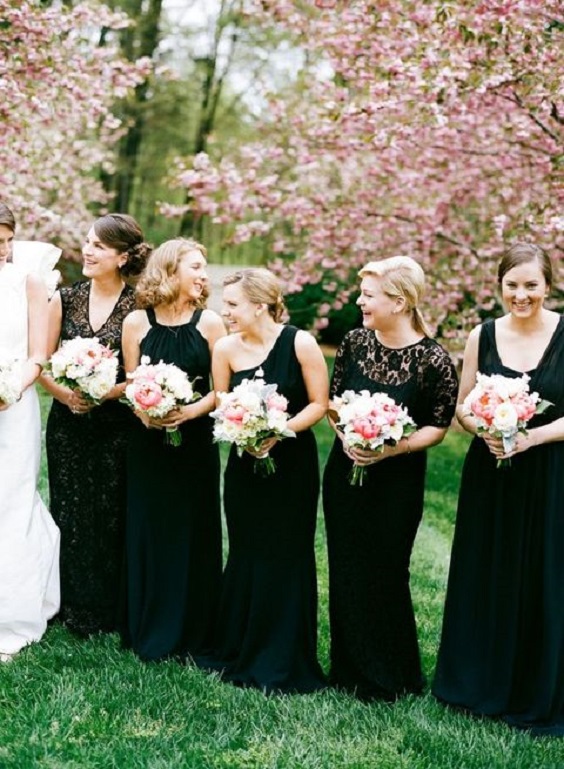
point(340, 365)
point(440, 383)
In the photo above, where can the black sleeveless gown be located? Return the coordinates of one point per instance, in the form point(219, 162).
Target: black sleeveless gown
point(173, 536)
point(267, 628)
point(87, 487)
point(502, 645)
point(371, 528)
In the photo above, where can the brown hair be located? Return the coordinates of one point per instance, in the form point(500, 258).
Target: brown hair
point(122, 232)
point(522, 253)
point(7, 218)
point(260, 286)
point(159, 282)
point(402, 277)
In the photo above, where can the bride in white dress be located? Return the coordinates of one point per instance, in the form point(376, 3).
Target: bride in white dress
point(29, 538)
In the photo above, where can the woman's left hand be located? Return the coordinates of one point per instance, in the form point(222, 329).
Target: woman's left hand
point(174, 418)
point(523, 441)
point(79, 404)
point(366, 457)
point(260, 452)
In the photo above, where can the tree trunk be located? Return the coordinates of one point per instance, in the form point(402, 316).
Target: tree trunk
point(139, 40)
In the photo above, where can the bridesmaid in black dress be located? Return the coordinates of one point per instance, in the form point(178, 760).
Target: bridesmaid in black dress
point(502, 645)
point(371, 528)
point(173, 540)
point(86, 444)
point(267, 627)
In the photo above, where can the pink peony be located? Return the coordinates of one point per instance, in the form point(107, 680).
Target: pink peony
point(89, 358)
point(234, 414)
point(524, 406)
point(391, 412)
point(366, 427)
point(147, 394)
point(484, 407)
point(277, 402)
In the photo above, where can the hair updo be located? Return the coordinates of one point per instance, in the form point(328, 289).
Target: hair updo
point(402, 277)
point(260, 286)
point(522, 253)
point(122, 232)
point(7, 218)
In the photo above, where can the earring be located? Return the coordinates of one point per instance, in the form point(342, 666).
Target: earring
point(258, 313)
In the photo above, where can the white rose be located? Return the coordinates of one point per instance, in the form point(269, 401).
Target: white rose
point(505, 418)
point(277, 420)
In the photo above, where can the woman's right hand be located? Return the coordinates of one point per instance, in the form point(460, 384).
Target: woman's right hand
point(76, 402)
point(146, 420)
point(495, 445)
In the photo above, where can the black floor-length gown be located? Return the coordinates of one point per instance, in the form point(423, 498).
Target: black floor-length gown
point(502, 645)
point(173, 538)
point(86, 462)
point(267, 628)
point(371, 528)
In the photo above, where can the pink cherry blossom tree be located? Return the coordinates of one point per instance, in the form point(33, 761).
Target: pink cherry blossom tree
point(57, 87)
point(431, 129)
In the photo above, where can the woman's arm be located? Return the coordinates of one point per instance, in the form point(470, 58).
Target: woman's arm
point(37, 309)
point(135, 326)
point(550, 433)
point(221, 366)
point(468, 380)
point(65, 395)
point(421, 439)
point(316, 379)
point(133, 330)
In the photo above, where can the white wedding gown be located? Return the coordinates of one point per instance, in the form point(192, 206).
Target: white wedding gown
point(29, 538)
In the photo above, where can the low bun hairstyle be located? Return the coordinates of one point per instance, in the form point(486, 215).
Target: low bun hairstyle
point(122, 232)
point(402, 277)
point(159, 282)
point(7, 218)
point(260, 286)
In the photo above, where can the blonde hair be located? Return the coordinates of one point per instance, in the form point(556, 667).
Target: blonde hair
point(159, 282)
point(402, 277)
point(260, 286)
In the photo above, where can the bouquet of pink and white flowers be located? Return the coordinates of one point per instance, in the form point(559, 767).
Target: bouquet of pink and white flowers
point(10, 381)
point(86, 365)
point(158, 388)
point(369, 421)
point(250, 413)
point(502, 406)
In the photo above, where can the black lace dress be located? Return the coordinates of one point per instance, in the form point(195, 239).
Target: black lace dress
point(371, 528)
point(502, 645)
point(173, 516)
point(267, 629)
point(86, 462)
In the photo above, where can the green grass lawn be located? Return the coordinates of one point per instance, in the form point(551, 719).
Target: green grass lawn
point(71, 703)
